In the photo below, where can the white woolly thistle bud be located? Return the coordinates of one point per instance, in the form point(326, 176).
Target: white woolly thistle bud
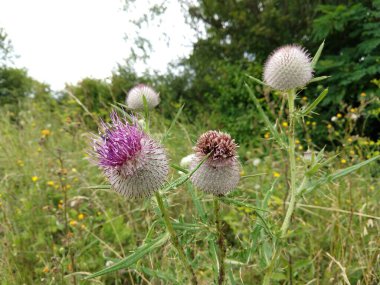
point(287, 68)
point(135, 97)
point(220, 173)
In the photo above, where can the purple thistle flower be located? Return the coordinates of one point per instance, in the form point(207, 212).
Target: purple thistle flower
point(220, 173)
point(135, 165)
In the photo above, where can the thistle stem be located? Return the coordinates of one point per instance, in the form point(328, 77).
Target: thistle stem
point(221, 244)
point(292, 161)
point(293, 190)
point(174, 239)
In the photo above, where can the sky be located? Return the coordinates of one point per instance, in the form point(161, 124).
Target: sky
point(61, 41)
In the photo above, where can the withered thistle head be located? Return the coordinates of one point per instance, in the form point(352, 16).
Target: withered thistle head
point(288, 67)
point(220, 173)
point(135, 165)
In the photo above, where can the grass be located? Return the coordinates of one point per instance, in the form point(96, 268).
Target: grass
point(56, 228)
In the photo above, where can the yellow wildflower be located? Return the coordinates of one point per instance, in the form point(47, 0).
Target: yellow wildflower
point(285, 124)
point(307, 123)
point(343, 161)
point(353, 110)
point(304, 98)
point(349, 140)
point(73, 223)
point(45, 133)
point(297, 141)
point(300, 147)
point(45, 270)
point(352, 152)
point(276, 174)
point(314, 124)
point(267, 135)
point(80, 216)
point(339, 115)
point(363, 94)
point(329, 126)
point(50, 183)
point(34, 178)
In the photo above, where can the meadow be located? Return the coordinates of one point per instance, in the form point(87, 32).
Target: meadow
point(60, 222)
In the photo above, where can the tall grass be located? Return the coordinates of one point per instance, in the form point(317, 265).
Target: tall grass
point(56, 228)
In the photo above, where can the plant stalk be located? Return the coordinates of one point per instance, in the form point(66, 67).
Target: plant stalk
point(292, 161)
point(174, 239)
point(293, 190)
point(221, 244)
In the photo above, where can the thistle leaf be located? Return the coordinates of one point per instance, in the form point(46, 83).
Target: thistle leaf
point(312, 106)
point(134, 257)
point(317, 54)
point(264, 117)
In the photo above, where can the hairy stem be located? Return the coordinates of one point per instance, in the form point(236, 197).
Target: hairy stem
point(292, 160)
point(293, 190)
point(221, 244)
point(174, 239)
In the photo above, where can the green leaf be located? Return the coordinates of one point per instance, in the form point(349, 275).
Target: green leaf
point(338, 174)
point(320, 78)
point(257, 80)
point(169, 278)
point(317, 55)
point(307, 110)
point(172, 123)
point(134, 257)
point(264, 117)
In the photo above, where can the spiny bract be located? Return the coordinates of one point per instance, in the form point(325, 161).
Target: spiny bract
point(220, 173)
point(135, 96)
point(135, 165)
point(287, 68)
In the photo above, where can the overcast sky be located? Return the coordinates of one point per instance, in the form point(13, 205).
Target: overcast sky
point(62, 41)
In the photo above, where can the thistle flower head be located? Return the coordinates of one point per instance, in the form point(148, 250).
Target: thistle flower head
point(135, 97)
point(287, 68)
point(220, 173)
point(135, 165)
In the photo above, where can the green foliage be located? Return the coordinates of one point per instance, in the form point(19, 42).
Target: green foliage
point(352, 54)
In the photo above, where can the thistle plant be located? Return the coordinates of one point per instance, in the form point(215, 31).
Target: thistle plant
point(135, 98)
point(135, 165)
point(288, 70)
point(218, 175)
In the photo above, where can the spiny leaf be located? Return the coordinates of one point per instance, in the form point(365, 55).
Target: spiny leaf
point(172, 123)
point(256, 80)
point(319, 78)
point(312, 106)
point(134, 257)
point(266, 120)
point(317, 54)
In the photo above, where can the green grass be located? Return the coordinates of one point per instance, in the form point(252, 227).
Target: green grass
point(334, 234)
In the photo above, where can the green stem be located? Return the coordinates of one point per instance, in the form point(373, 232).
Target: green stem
point(292, 160)
point(293, 190)
point(222, 247)
point(174, 239)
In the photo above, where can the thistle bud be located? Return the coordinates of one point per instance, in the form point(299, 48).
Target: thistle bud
point(135, 97)
point(220, 173)
point(135, 165)
point(287, 68)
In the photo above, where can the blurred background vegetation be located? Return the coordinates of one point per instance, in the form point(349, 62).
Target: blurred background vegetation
point(43, 144)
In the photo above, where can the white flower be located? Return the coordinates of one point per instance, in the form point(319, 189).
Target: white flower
point(136, 94)
point(334, 119)
point(354, 117)
point(256, 187)
point(287, 68)
point(256, 162)
point(186, 161)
